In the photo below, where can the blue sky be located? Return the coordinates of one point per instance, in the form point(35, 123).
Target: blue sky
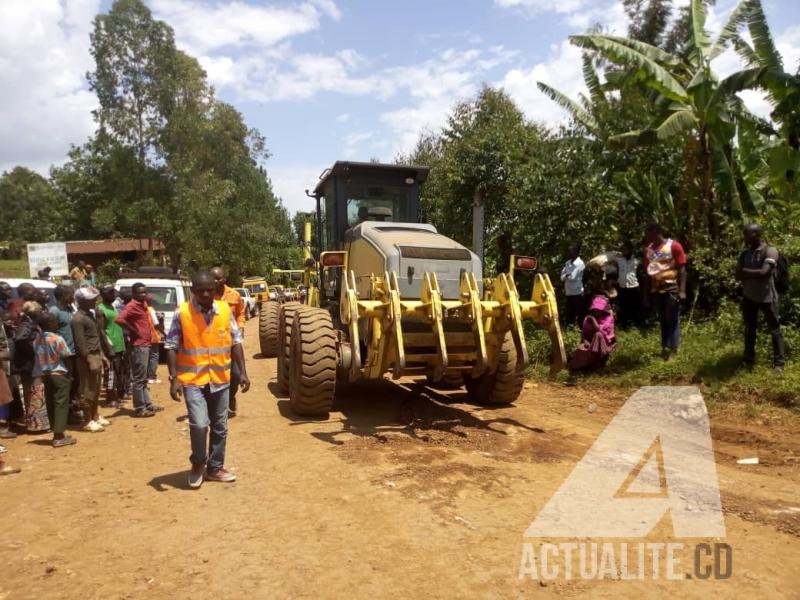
point(322, 79)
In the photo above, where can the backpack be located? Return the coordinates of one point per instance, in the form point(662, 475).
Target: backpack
point(782, 274)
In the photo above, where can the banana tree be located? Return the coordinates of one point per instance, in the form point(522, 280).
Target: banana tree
point(696, 106)
point(779, 146)
point(584, 110)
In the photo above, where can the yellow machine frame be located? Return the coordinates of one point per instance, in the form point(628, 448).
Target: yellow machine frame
point(499, 311)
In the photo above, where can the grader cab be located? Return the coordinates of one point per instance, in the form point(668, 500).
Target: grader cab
point(395, 296)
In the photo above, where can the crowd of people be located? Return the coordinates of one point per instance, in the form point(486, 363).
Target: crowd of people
point(619, 288)
point(60, 359)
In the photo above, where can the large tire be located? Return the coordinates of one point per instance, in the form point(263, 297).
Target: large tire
point(504, 385)
point(312, 366)
point(285, 319)
point(268, 329)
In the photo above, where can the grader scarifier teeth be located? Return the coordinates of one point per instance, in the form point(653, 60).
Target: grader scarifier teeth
point(431, 309)
point(490, 320)
point(543, 309)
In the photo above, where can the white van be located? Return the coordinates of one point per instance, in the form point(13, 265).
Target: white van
point(167, 291)
point(39, 284)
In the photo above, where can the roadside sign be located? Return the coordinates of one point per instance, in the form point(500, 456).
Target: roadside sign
point(51, 254)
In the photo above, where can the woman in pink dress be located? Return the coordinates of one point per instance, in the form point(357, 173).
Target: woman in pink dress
point(598, 339)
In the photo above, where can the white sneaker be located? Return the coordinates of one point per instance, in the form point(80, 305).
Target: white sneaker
point(103, 421)
point(93, 427)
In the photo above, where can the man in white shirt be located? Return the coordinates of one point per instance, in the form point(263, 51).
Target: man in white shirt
point(629, 297)
point(572, 276)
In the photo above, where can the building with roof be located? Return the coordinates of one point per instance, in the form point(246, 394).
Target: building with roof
point(126, 251)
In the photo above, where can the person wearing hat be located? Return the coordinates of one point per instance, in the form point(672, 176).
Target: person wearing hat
point(91, 349)
point(598, 339)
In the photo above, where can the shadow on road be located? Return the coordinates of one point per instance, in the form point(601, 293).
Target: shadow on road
point(375, 408)
point(163, 483)
point(276, 391)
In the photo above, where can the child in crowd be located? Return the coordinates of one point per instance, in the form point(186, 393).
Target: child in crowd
point(52, 355)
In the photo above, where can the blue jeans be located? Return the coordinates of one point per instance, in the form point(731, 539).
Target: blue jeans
point(140, 358)
point(152, 363)
point(207, 408)
point(668, 306)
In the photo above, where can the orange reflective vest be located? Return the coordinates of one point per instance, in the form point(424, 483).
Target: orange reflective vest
point(205, 353)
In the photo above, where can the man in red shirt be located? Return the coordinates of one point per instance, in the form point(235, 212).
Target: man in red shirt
point(135, 319)
point(665, 263)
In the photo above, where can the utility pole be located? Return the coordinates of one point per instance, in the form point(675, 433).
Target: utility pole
point(478, 222)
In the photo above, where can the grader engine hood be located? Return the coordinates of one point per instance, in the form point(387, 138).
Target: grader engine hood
point(411, 249)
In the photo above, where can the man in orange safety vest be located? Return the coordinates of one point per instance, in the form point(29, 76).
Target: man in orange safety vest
point(201, 345)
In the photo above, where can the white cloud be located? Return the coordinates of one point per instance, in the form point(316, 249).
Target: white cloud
point(535, 6)
point(562, 67)
point(435, 86)
point(203, 28)
point(788, 44)
point(289, 182)
point(246, 47)
point(561, 70)
point(44, 56)
point(353, 143)
point(611, 17)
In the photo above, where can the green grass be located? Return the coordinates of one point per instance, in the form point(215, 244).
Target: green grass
point(709, 357)
point(14, 268)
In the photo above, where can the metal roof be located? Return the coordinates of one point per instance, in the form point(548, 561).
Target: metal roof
point(340, 167)
point(118, 245)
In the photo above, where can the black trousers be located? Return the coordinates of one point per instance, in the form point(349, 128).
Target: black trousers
point(750, 312)
point(575, 310)
point(629, 301)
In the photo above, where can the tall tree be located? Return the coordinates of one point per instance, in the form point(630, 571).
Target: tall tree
point(648, 20)
point(485, 152)
point(29, 208)
point(134, 58)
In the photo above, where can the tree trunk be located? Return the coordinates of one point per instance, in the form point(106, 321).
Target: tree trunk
point(709, 197)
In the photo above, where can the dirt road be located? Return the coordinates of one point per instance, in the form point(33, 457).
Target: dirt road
point(404, 492)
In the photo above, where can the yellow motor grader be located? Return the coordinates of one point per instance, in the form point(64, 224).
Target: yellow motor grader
point(395, 296)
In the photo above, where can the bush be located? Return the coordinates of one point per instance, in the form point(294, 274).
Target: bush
point(710, 356)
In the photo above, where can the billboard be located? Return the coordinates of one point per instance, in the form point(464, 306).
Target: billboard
point(51, 254)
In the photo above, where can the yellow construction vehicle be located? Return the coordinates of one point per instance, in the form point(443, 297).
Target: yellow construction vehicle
point(396, 296)
point(258, 288)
